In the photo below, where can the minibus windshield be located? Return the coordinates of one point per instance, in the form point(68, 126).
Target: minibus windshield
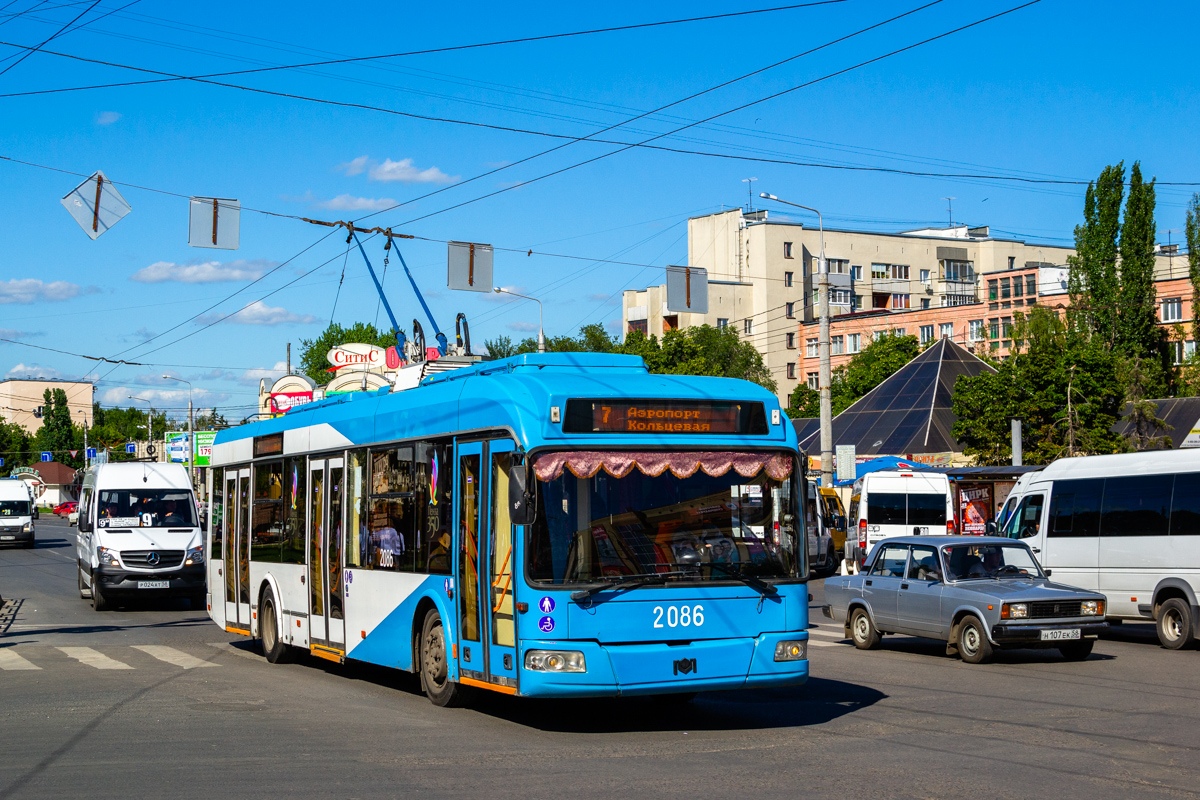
point(14, 508)
point(145, 508)
point(603, 527)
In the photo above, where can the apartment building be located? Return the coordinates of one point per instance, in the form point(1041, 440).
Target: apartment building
point(763, 279)
point(22, 399)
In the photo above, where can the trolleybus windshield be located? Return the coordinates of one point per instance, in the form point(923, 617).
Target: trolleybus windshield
point(604, 527)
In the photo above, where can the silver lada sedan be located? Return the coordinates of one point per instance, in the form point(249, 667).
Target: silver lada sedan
point(976, 593)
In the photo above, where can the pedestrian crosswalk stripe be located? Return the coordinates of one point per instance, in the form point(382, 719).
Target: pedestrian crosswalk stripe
point(821, 643)
point(828, 632)
point(173, 656)
point(93, 658)
point(9, 660)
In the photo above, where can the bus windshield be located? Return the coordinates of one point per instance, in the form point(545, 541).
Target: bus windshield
point(146, 508)
point(605, 527)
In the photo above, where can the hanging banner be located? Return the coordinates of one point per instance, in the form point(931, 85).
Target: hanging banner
point(96, 205)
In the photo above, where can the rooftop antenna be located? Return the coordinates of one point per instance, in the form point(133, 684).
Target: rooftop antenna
point(749, 193)
point(950, 208)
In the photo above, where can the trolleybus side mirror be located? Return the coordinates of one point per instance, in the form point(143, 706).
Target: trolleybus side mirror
point(520, 500)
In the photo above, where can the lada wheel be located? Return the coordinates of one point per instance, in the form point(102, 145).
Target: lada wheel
point(435, 666)
point(273, 646)
point(862, 631)
point(1175, 624)
point(973, 644)
point(1078, 650)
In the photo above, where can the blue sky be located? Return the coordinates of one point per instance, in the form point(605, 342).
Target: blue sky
point(1058, 89)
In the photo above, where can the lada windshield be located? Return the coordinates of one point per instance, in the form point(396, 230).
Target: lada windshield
point(964, 561)
point(145, 508)
point(601, 516)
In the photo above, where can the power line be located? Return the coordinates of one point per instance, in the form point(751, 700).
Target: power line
point(54, 36)
point(427, 51)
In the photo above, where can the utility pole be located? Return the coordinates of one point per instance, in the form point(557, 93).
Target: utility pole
point(950, 208)
point(289, 359)
point(824, 376)
point(749, 193)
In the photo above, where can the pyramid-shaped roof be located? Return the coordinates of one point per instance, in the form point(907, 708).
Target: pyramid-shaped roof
point(909, 413)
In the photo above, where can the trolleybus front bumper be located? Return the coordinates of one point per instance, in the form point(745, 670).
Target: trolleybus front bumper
point(659, 668)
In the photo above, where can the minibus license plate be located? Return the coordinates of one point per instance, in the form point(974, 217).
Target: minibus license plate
point(1057, 635)
point(167, 585)
point(7, 538)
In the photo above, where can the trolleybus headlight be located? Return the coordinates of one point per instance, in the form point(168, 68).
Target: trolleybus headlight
point(195, 555)
point(1091, 608)
point(1014, 611)
point(555, 661)
point(107, 557)
point(791, 651)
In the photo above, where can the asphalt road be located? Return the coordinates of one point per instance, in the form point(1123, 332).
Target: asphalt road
point(157, 701)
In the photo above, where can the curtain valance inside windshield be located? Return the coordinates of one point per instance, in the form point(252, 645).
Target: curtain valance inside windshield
point(586, 463)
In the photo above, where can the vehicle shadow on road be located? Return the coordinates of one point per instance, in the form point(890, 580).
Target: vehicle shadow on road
point(819, 701)
point(937, 649)
point(1133, 632)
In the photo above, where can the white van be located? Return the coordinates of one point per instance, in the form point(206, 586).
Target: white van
point(1125, 525)
point(899, 503)
point(138, 534)
point(16, 513)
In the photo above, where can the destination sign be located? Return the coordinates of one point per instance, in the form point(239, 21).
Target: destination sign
point(696, 417)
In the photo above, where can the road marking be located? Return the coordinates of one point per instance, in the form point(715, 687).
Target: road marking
point(226, 647)
point(9, 660)
point(93, 658)
point(173, 656)
point(818, 643)
point(827, 633)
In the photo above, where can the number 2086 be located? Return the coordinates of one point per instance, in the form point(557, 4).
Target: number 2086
point(678, 616)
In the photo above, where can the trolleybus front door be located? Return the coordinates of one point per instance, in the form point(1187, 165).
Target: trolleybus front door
point(487, 646)
point(315, 574)
point(237, 550)
point(325, 542)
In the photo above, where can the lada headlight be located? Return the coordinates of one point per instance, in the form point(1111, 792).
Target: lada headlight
point(796, 650)
point(1014, 611)
point(555, 661)
point(1091, 608)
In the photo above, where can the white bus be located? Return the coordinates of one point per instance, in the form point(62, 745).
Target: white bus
point(1124, 525)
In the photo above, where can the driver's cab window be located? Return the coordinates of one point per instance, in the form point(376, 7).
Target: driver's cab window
point(890, 561)
point(924, 564)
point(1026, 522)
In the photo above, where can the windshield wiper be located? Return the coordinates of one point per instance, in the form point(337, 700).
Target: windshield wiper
point(625, 582)
point(749, 580)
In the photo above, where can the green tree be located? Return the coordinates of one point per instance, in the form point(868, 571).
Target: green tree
point(213, 420)
point(58, 432)
point(15, 444)
point(313, 351)
point(1138, 334)
point(1148, 432)
point(500, 347)
point(1093, 279)
point(1192, 231)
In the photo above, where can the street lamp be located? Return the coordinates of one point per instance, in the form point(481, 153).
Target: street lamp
point(541, 334)
point(149, 424)
point(824, 378)
point(87, 462)
point(191, 440)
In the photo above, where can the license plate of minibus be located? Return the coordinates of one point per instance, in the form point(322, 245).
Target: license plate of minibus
point(7, 538)
point(1058, 635)
point(167, 585)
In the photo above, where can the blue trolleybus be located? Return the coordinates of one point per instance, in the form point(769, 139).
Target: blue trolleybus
point(552, 525)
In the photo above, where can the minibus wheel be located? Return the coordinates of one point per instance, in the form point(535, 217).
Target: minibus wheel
point(435, 666)
point(99, 601)
point(1175, 624)
point(84, 592)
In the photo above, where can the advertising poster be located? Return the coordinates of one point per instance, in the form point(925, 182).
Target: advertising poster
point(178, 446)
point(204, 441)
point(975, 508)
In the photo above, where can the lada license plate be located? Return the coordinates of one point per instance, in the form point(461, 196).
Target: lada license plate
point(1059, 635)
point(167, 585)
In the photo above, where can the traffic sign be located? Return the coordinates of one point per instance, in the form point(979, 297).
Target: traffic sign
point(1, 462)
point(91, 453)
point(47, 456)
point(130, 447)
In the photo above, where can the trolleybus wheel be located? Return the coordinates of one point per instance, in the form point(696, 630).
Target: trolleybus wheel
point(84, 592)
point(268, 626)
point(435, 668)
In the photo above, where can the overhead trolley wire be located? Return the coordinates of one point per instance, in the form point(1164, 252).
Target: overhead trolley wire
point(52, 37)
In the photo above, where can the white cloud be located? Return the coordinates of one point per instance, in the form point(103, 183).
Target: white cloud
point(202, 272)
point(259, 313)
point(356, 167)
point(13, 333)
point(522, 327)
point(33, 290)
point(119, 396)
point(500, 297)
point(251, 377)
point(403, 171)
point(24, 370)
point(348, 202)
point(107, 117)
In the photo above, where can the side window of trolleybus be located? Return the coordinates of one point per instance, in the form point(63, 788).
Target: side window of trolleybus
point(670, 512)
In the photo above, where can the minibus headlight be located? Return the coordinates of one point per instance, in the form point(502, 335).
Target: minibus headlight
point(107, 557)
point(1014, 611)
point(791, 651)
point(1091, 608)
point(28, 527)
point(555, 661)
point(195, 555)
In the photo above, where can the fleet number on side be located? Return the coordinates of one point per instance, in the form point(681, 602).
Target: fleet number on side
point(679, 616)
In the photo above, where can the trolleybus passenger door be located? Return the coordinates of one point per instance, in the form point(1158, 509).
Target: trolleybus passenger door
point(214, 565)
point(332, 546)
point(499, 569)
point(237, 550)
point(315, 574)
point(472, 654)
